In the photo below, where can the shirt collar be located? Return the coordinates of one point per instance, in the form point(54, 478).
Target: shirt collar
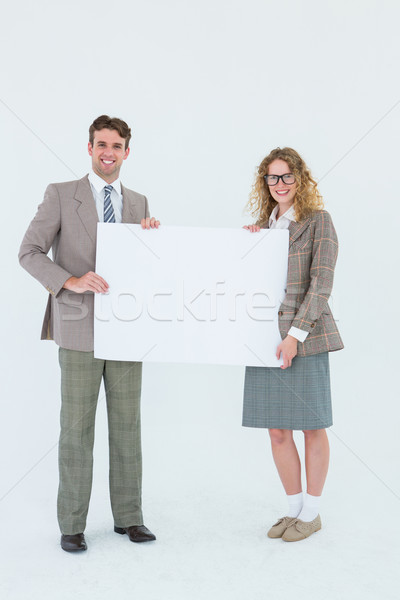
point(289, 214)
point(98, 183)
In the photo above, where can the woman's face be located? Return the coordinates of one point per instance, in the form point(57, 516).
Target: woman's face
point(283, 193)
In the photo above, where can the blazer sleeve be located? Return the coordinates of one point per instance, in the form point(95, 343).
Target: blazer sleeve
point(323, 259)
point(146, 207)
point(38, 240)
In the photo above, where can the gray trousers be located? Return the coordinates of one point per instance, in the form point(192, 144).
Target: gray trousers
point(81, 376)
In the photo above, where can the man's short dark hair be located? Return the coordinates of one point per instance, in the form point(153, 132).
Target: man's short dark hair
point(106, 122)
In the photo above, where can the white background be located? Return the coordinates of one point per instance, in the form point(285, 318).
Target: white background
point(208, 89)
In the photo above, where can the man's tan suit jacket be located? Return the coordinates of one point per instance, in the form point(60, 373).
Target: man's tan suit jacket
point(66, 221)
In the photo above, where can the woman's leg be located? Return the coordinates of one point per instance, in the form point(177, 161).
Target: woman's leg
point(317, 460)
point(286, 459)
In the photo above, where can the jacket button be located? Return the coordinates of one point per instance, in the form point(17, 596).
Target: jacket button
point(280, 313)
point(312, 324)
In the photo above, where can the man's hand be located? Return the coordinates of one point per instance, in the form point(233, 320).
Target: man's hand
point(91, 282)
point(149, 223)
point(252, 228)
point(288, 348)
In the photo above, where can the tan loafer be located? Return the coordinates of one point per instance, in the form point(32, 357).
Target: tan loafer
point(300, 530)
point(280, 527)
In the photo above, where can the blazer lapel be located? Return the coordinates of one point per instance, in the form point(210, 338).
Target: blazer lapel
point(296, 229)
point(86, 208)
point(129, 214)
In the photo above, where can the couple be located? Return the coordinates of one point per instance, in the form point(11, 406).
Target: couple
point(284, 195)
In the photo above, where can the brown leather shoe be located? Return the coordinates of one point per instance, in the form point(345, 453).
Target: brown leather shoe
point(73, 543)
point(136, 533)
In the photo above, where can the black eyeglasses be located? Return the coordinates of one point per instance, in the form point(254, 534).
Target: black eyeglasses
point(287, 178)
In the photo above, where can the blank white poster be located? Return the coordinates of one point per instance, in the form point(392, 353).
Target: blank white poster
point(190, 295)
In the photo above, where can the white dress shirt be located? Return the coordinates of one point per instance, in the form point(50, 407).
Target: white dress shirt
point(98, 184)
point(283, 223)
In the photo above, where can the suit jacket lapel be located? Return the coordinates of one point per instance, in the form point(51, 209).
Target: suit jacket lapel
point(129, 214)
point(296, 229)
point(86, 208)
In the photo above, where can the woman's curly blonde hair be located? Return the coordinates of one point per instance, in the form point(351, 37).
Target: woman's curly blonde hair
point(307, 198)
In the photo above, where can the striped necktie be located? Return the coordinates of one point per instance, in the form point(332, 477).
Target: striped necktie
point(109, 216)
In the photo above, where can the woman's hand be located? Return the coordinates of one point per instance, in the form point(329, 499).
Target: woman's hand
point(252, 228)
point(288, 348)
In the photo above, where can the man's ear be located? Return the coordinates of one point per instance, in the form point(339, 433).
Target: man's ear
point(90, 149)
point(126, 153)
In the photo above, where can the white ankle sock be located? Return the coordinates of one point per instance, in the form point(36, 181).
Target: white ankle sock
point(310, 508)
point(295, 504)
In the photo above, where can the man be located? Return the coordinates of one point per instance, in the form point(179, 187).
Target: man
point(66, 221)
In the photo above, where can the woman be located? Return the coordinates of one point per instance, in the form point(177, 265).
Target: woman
point(296, 395)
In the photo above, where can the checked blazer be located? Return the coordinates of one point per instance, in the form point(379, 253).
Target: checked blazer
point(313, 249)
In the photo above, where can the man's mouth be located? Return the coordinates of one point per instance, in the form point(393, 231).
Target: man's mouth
point(107, 162)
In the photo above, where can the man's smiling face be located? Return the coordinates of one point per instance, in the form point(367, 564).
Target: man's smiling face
point(107, 152)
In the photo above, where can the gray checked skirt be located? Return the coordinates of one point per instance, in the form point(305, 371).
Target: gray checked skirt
point(298, 397)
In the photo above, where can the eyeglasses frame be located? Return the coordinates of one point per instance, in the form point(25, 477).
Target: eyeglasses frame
point(279, 177)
